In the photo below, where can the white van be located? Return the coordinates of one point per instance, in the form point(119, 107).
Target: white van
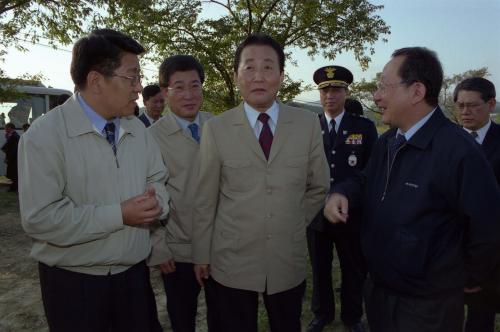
point(33, 102)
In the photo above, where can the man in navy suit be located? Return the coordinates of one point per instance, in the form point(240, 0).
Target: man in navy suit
point(154, 102)
point(475, 100)
point(348, 141)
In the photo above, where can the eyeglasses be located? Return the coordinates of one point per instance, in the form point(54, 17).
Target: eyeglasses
point(180, 89)
point(470, 106)
point(134, 80)
point(382, 87)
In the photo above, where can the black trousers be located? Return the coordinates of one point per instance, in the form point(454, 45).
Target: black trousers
point(352, 268)
point(182, 290)
point(238, 309)
point(480, 312)
point(80, 302)
point(387, 312)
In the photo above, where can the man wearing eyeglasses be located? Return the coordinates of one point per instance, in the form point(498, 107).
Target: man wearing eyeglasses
point(347, 142)
point(178, 134)
point(430, 223)
point(154, 102)
point(92, 181)
point(475, 100)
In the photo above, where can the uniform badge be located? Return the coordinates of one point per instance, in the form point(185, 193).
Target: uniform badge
point(354, 139)
point(352, 160)
point(330, 72)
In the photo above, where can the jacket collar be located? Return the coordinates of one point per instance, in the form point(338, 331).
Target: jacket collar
point(77, 122)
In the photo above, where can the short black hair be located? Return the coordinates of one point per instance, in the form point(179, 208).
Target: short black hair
point(177, 63)
point(260, 39)
point(421, 65)
point(26, 126)
point(150, 91)
point(478, 84)
point(10, 125)
point(101, 51)
point(353, 106)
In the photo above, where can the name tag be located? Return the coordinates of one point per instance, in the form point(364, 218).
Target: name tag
point(411, 185)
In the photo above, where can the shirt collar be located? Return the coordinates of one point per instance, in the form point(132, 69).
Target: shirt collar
point(481, 132)
point(252, 114)
point(410, 132)
point(96, 119)
point(337, 119)
point(183, 123)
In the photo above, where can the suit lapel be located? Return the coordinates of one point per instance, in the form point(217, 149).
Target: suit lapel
point(324, 131)
point(492, 139)
point(344, 128)
point(283, 129)
point(246, 133)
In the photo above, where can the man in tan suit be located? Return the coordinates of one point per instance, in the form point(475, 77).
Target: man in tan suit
point(263, 177)
point(178, 134)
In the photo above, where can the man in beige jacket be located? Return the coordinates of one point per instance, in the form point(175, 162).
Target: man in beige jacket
point(92, 180)
point(178, 134)
point(263, 177)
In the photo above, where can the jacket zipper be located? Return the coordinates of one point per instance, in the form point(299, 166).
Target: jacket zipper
point(389, 169)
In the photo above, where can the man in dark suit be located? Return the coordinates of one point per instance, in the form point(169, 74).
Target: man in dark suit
point(475, 100)
point(10, 150)
point(154, 101)
point(430, 205)
point(347, 141)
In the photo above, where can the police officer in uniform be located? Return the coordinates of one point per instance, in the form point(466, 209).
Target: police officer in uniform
point(348, 140)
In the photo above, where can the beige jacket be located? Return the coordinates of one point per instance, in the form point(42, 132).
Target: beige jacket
point(181, 155)
point(251, 214)
point(71, 186)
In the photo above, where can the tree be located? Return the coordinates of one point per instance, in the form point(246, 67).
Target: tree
point(167, 27)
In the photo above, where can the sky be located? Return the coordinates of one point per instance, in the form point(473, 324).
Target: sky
point(465, 34)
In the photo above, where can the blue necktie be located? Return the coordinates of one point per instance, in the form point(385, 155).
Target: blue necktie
point(193, 127)
point(395, 144)
point(109, 129)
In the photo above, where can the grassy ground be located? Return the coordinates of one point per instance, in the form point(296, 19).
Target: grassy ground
point(21, 308)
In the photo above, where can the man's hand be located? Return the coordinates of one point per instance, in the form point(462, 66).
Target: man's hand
point(202, 271)
point(472, 290)
point(142, 209)
point(168, 266)
point(336, 208)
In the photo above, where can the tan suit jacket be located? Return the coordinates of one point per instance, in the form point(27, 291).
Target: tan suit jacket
point(251, 214)
point(180, 154)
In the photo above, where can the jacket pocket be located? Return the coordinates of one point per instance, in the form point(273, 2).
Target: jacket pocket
point(237, 174)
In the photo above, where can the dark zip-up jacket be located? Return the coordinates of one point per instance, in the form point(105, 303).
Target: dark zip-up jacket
point(417, 211)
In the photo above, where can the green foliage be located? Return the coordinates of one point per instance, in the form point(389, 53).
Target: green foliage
point(167, 27)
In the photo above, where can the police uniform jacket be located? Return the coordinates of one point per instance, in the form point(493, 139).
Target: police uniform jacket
point(346, 156)
point(416, 211)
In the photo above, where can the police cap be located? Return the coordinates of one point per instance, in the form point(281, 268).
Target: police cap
point(335, 76)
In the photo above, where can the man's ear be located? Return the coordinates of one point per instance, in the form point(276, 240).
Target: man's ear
point(94, 82)
point(418, 91)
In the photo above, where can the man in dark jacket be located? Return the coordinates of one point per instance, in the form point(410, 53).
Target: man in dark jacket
point(420, 194)
point(347, 140)
point(475, 100)
point(10, 150)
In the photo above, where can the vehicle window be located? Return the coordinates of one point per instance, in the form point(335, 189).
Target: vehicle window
point(21, 111)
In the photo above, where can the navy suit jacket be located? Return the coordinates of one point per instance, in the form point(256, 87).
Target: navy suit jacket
point(491, 147)
point(416, 212)
point(144, 120)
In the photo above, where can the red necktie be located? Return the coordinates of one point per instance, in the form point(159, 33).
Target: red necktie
point(266, 135)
